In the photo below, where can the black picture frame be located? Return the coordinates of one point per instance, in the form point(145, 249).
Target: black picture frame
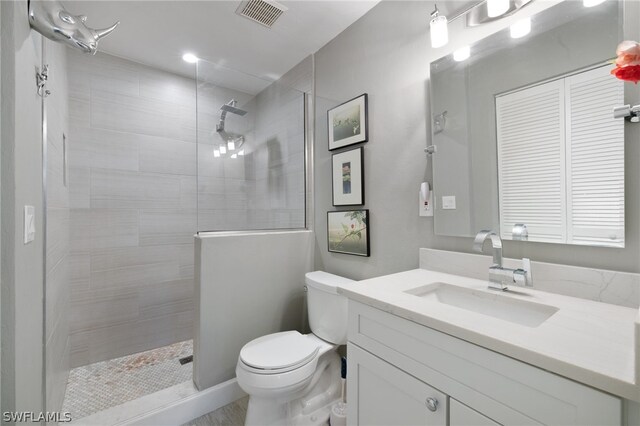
point(348, 115)
point(354, 194)
point(346, 234)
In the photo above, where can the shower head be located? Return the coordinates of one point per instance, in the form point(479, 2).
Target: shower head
point(228, 107)
point(232, 109)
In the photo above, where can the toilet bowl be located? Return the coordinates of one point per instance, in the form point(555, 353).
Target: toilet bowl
point(294, 378)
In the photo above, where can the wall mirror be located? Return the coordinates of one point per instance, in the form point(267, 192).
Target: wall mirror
point(525, 133)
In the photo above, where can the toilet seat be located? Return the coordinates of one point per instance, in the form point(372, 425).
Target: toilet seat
point(278, 352)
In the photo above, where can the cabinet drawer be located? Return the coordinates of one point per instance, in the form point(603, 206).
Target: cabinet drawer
point(387, 396)
point(506, 390)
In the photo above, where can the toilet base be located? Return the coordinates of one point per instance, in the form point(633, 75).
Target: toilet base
point(310, 406)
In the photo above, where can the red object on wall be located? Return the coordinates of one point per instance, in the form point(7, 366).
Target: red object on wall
point(628, 73)
point(628, 61)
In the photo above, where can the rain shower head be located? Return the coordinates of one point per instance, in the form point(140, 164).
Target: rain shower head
point(232, 109)
point(230, 141)
point(228, 107)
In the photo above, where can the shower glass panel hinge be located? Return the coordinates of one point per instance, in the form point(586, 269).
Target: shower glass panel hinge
point(41, 81)
point(431, 149)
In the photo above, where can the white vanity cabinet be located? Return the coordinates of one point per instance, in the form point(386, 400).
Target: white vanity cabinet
point(387, 395)
point(398, 368)
point(461, 415)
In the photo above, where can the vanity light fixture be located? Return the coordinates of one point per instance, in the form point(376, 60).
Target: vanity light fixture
point(520, 28)
point(497, 7)
point(223, 149)
point(216, 153)
point(462, 54)
point(438, 29)
point(190, 58)
point(592, 3)
point(231, 145)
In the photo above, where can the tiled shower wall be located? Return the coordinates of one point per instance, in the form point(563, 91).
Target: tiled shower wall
point(264, 189)
point(277, 191)
point(133, 207)
point(132, 152)
point(134, 201)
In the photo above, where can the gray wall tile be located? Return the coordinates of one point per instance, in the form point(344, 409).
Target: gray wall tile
point(133, 199)
point(119, 189)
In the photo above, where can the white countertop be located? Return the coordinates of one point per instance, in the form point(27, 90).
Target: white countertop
point(589, 342)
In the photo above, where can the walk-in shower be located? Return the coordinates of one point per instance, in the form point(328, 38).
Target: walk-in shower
point(159, 158)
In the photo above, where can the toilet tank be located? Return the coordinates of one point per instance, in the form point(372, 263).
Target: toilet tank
point(327, 310)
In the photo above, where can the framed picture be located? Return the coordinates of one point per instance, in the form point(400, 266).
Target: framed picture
point(348, 123)
point(348, 232)
point(348, 178)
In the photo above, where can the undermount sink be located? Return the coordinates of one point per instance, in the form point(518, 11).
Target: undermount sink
point(494, 305)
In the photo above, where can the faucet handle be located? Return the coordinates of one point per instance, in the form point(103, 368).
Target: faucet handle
point(520, 277)
point(523, 276)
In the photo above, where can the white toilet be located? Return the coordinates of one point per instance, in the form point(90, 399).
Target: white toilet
point(293, 378)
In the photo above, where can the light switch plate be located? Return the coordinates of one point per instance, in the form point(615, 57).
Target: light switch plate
point(449, 202)
point(29, 224)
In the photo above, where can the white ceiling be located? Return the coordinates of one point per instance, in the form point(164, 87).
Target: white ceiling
point(157, 33)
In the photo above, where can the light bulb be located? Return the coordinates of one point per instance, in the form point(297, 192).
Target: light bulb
point(190, 58)
point(223, 149)
point(241, 152)
point(231, 145)
point(520, 28)
point(462, 53)
point(439, 31)
point(234, 155)
point(216, 153)
point(497, 7)
point(591, 3)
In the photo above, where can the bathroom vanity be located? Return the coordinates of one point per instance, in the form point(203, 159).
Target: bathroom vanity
point(428, 347)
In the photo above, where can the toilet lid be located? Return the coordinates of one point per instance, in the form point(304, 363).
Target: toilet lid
point(279, 351)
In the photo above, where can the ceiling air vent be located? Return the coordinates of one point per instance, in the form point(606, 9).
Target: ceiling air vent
point(264, 12)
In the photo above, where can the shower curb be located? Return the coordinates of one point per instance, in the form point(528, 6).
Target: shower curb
point(176, 405)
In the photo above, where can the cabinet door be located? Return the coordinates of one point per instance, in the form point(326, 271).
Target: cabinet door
point(380, 394)
point(461, 415)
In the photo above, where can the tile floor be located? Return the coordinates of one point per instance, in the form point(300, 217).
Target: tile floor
point(229, 415)
point(98, 386)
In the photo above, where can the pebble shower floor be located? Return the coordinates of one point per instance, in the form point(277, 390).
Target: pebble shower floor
point(96, 387)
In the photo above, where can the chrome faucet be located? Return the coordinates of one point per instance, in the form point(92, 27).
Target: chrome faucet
point(500, 277)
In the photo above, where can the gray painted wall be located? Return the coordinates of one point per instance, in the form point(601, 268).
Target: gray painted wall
point(57, 289)
point(22, 265)
point(387, 54)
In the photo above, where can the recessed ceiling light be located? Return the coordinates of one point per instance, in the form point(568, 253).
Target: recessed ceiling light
point(591, 3)
point(521, 28)
point(190, 58)
point(497, 7)
point(462, 53)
